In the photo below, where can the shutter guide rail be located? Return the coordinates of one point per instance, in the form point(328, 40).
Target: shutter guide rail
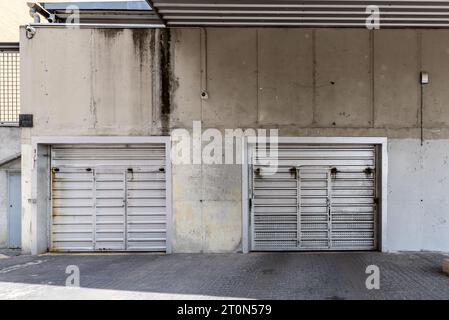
point(298, 207)
point(94, 208)
point(125, 203)
point(329, 200)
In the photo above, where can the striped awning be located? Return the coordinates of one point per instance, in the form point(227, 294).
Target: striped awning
point(311, 13)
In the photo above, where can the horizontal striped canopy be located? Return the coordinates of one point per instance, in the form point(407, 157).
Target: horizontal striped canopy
point(311, 13)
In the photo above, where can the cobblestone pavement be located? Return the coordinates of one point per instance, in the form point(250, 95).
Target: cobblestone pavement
point(216, 276)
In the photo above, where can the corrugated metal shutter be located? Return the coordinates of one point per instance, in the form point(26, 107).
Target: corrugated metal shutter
point(109, 198)
point(322, 197)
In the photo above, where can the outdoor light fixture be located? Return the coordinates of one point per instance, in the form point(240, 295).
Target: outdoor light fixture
point(424, 77)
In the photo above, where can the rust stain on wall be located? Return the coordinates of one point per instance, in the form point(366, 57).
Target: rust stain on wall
point(166, 77)
point(110, 34)
point(142, 39)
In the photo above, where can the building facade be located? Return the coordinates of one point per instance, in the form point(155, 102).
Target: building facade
point(363, 147)
point(12, 15)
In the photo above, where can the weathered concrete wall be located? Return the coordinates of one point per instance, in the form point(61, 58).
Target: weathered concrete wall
point(326, 83)
point(306, 82)
point(9, 146)
point(9, 142)
point(418, 195)
point(90, 82)
point(323, 82)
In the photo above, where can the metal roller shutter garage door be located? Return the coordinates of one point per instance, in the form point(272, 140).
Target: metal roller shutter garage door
point(108, 198)
point(323, 197)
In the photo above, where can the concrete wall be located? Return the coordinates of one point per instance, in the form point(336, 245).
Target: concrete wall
point(418, 195)
point(306, 82)
point(9, 146)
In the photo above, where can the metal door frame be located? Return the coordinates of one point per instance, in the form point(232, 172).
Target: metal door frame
point(41, 180)
point(381, 144)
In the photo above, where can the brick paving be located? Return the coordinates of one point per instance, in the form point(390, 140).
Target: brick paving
point(211, 276)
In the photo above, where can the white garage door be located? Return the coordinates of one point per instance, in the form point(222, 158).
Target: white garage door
point(323, 197)
point(109, 198)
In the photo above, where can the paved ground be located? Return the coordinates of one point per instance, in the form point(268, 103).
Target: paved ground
point(207, 276)
point(6, 253)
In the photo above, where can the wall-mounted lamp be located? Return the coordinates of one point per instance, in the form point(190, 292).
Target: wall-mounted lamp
point(424, 79)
